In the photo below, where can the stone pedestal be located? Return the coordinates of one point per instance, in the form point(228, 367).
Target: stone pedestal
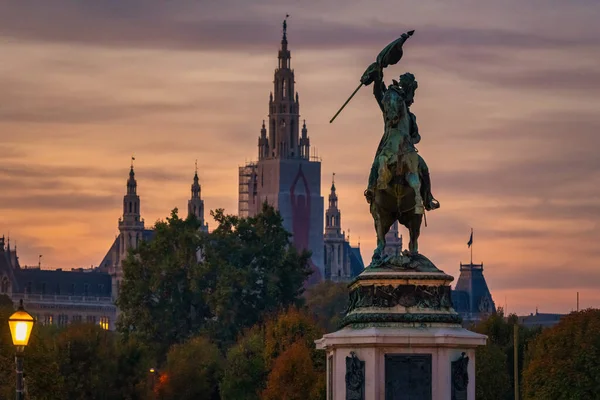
point(401, 338)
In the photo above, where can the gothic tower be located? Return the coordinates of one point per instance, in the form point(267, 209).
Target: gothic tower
point(393, 241)
point(337, 260)
point(131, 231)
point(285, 176)
point(196, 204)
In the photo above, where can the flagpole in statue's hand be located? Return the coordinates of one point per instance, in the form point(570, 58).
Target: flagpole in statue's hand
point(390, 55)
point(347, 101)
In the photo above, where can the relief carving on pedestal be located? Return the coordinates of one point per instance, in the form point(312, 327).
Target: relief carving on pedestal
point(355, 378)
point(421, 296)
point(460, 378)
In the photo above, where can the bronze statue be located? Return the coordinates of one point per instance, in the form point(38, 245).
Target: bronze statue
point(399, 186)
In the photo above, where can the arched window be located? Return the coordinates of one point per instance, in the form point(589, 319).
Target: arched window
point(5, 284)
point(130, 206)
point(339, 254)
point(284, 89)
point(136, 208)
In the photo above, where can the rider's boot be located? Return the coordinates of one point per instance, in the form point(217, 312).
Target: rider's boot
point(430, 202)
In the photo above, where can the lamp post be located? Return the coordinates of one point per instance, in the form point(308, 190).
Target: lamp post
point(152, 381)
point(21, 324)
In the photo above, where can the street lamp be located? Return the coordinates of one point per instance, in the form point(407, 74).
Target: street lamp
point(152, 381)
point(21, 324)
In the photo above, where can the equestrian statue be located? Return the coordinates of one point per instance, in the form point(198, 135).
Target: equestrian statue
point(399, 186)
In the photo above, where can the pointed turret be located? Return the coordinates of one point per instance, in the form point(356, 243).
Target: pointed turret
point(304, 142)
point(263, 143)
point(337, 262)
point(333, 225)
point(131, 225)
point(195, 203)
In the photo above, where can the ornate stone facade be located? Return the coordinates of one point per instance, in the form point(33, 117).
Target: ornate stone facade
point(57, 297)
point(342, 261)
point(285, 175)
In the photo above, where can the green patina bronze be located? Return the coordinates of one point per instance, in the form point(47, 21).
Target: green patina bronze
point(368, 320)
point(386, 296)
point(399, 186)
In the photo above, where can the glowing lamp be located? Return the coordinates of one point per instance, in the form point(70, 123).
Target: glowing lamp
point(21, 324)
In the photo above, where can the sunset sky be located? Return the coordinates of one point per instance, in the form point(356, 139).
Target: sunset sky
point(508, 106)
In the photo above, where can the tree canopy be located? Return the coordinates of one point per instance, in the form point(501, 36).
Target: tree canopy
point(184, 282)
point(564, 360)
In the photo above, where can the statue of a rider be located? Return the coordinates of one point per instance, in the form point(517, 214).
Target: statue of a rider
point(396, 151)
point(399, 187)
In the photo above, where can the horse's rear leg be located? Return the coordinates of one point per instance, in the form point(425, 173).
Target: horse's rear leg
point(383, 223)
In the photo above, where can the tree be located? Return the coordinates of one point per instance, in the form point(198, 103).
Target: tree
point(252, 270)
point(289, 339)
point(43, 376)
point(492, 378)
point(158, 299)
point(286, 329)
point(245, 372)
point(327, 302)
point(564, 360)
point(85, 354)
point(294, 377)
point(192, 371)
point(247, 270)
point(500, 336)
point(133, 363)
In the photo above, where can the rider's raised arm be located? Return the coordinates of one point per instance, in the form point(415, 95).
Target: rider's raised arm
point(374, 74)
point(379, 90)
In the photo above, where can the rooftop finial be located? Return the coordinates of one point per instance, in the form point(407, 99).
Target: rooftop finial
point(132, 160)
point(285, 26)
point(196, 167)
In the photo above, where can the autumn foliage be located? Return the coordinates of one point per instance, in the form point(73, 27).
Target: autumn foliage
point(564, 361)
point(294, 376)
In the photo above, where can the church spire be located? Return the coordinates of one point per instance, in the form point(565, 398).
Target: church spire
point(130, 225)
point(196, 184)
point(284, 54)
point(195, 203)
point(282, 140)
point(333, 216)
point(131, 201)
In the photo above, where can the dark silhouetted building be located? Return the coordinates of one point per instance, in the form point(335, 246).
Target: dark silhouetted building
point(57, 297)
point(471, 296)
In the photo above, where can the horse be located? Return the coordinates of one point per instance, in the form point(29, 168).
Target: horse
point(395, 203)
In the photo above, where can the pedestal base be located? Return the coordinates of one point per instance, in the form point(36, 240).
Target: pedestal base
point(393, 348)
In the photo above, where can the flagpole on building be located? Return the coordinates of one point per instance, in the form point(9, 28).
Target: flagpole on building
point(470, 244)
